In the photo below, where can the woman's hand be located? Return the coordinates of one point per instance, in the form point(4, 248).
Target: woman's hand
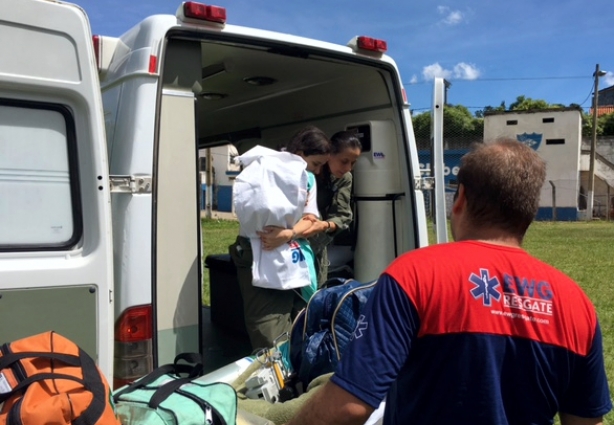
point(318, 226)
point(274, 236)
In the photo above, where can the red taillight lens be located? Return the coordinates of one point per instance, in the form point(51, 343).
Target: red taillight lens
point(97, 49)
point(135, 324)
point(372, 44)
point(204, 12)
point(153, 64)
point(133, 352)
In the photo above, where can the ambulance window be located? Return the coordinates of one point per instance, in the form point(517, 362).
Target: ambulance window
point(37, 192)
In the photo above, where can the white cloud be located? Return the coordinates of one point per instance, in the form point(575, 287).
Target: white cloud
point(414, 79)
point(461, 71)
point(452, 17)
point(465, 71)
point(435, 70)
point(608, 79)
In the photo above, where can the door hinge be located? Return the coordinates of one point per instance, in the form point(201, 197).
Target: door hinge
point(424, 183)
point(130, 184)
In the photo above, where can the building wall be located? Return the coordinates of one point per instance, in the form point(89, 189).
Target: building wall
point(225, 171)
point(556, 136)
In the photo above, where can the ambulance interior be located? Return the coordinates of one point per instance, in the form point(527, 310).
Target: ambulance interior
point(250, 93)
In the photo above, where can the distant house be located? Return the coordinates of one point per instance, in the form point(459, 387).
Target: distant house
point(605, 102)
point(603, 110)
point(556, 134)
point(606, 97)
point(223, 174)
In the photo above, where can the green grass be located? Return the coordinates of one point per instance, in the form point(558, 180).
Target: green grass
point(583, 250)
point(217, 235)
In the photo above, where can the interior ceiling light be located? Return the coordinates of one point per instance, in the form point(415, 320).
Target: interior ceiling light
point(213, 95)
point(260, 81)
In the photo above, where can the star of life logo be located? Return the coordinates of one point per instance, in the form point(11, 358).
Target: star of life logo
point(361, 327)
point(516, 292)
point(485, 287)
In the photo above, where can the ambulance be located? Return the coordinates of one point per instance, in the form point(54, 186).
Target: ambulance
point(100, 195)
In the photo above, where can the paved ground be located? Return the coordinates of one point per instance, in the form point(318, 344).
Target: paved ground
point(219, 215)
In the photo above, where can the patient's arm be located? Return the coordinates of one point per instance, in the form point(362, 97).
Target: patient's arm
point(567, 419)
point(274, 236)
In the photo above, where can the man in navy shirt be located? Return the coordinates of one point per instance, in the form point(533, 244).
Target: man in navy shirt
point(476, 331)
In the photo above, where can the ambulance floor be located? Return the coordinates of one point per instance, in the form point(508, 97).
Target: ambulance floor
point(221, 346)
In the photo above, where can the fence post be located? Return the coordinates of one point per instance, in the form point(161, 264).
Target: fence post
point(553, 200)
point(609, 205)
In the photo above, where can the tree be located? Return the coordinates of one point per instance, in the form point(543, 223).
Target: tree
point(587, 125)
point(422, 125)
point(605, 125)
point(606, 122)
point(458, 123)
point(499, 108)
point(523, 103)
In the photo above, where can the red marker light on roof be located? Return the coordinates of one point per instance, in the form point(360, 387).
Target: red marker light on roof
point(371, 44)
point(204, 12)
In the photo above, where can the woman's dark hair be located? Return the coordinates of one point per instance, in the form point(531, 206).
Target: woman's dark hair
point(311, 141)
point(343, 140)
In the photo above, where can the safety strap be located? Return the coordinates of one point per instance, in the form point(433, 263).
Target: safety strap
point(10, 358)
point(175, 368)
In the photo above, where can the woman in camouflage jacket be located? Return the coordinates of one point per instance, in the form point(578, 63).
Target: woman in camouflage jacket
point(334, 194)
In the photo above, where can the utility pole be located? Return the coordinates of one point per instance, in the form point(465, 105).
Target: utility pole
point(591, 168)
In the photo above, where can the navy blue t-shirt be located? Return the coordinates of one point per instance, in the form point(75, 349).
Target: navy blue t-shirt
point(473, 333)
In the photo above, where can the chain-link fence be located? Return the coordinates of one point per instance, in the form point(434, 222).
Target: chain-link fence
point(455, 146)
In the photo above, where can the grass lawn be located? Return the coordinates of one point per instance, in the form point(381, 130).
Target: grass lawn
point(217, 235)
point(583, 250)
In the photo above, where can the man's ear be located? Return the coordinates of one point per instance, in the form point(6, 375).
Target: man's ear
point(459, 200)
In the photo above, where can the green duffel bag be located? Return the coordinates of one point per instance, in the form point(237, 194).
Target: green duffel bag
point(172, 395)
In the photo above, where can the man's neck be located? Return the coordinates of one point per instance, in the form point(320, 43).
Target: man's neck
point(491, 236)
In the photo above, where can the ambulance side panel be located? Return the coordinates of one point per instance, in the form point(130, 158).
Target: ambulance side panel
point(55, 232)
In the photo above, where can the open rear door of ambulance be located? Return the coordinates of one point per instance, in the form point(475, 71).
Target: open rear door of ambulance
point(55, 235)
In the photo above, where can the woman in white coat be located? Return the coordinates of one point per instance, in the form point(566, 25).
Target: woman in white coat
point(269, 312)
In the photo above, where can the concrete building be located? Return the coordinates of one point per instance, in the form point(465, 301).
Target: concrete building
point(224, 171)
point(556, 134)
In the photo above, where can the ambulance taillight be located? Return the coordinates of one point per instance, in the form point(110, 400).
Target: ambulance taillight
point(133, 354)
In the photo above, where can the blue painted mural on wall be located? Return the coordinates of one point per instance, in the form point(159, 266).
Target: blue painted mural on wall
point(451, 161)
point(532, 140)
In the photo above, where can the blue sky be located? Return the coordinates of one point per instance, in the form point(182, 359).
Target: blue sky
point(491, 50)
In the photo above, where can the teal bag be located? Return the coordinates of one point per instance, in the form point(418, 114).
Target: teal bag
point(310, 258)
point(172, 395)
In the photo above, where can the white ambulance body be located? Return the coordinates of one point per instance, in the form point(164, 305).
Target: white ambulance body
point(100, 237)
